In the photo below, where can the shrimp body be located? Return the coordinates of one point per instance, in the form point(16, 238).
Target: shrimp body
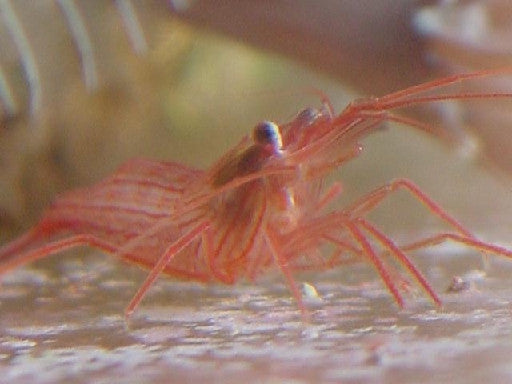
point(261, 206)
point(116, 210)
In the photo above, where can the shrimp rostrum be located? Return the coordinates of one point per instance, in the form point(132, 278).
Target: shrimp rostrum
point(261, 206)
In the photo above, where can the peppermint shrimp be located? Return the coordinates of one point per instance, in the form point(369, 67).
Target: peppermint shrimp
point(261, 206)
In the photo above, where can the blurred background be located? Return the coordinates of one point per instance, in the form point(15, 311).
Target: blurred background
point(87, 84)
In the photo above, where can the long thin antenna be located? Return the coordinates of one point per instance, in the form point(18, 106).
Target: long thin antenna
point(28, 61)
point(77, 27)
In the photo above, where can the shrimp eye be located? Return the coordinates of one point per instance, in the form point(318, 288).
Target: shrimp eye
point(267, 132)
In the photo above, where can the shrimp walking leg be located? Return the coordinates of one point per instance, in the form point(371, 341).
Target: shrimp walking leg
point(284, 267)
point(470, 242)
point(376, 260)
point(402, 257)
point(207, 241)
point(370, 201)
point(166, 257)
point(55, 247)
point(21, 243)
point(332, 193)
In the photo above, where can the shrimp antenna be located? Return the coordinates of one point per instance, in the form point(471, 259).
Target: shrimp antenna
point(443, 82)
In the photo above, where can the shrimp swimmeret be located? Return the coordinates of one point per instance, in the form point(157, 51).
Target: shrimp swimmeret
point(261, 206)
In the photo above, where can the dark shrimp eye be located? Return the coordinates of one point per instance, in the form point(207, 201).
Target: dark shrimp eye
point(267, 132)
